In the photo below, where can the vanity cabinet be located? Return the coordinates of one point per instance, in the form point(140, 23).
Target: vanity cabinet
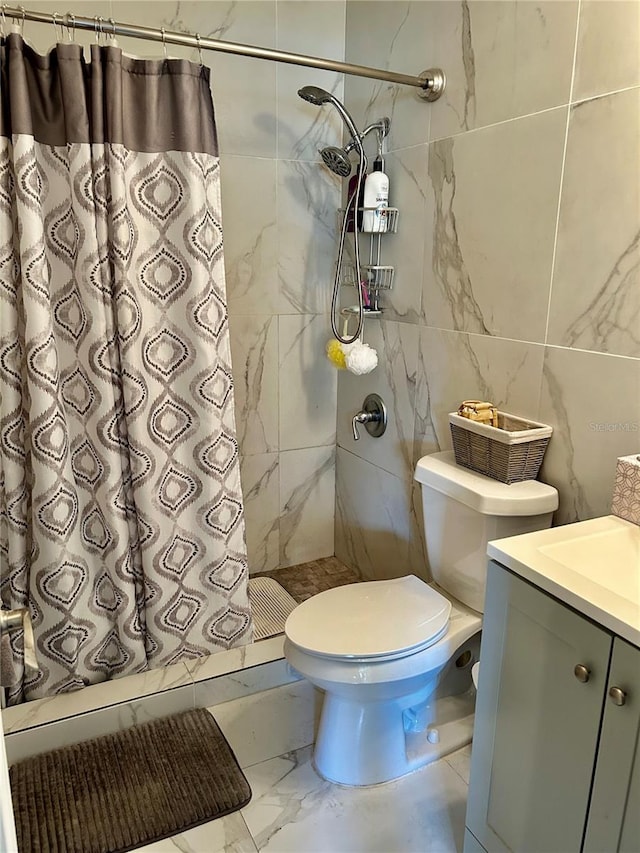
point(555, 765)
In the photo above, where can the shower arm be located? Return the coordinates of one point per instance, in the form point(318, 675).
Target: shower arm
point(430, 83)
point(382, 126)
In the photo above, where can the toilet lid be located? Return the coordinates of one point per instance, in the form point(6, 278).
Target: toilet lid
point(374, 619)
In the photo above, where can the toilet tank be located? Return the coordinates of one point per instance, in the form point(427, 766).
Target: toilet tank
point(463, 511)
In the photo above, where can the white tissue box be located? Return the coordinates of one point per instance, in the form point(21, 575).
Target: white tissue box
point(626, 490)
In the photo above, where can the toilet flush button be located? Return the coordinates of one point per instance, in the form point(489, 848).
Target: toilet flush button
point(433, 736)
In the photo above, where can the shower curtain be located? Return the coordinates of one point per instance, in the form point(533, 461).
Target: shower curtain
point(121, 515)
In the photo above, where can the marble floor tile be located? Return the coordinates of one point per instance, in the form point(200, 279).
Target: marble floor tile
point(228, 834)
point(293, 809)
point(287, 713)
point(461, 762)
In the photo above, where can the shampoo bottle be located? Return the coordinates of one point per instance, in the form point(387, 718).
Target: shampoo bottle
point(376, 198)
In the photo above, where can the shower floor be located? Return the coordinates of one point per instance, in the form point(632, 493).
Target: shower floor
point(275, 594)
point(307, 579)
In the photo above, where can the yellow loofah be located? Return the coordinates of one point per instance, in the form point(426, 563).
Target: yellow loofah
point(335, 354)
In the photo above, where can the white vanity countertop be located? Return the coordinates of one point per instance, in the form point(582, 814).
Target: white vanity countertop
point(593, 566)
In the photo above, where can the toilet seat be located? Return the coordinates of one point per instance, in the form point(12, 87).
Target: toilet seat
point(370, 621)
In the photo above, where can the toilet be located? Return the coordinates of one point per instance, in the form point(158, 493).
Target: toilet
point(394, 657)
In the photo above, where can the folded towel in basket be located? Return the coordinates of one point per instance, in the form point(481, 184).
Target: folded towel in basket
point(477, 410)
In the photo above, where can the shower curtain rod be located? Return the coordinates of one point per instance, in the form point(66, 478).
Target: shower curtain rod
point(430, 83)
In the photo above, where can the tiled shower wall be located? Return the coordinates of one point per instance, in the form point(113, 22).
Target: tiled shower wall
point(517, 252)
point(279, 214)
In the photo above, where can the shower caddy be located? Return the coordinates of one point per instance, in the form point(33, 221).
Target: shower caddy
point(376, 276)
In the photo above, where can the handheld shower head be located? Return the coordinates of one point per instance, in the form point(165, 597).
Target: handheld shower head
point(337, 159)
point(315, 95)
point(319, 97)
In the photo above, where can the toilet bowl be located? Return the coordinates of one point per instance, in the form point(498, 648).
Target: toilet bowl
point(394, 657)
point(403, 632)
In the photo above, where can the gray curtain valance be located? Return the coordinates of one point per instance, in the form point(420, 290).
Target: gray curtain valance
point(59, 98)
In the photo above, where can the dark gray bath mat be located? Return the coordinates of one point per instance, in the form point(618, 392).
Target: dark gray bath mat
point(125, 790)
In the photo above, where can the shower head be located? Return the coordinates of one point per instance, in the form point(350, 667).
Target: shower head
point(314, 95)
point(337, 160)
point(319, 97)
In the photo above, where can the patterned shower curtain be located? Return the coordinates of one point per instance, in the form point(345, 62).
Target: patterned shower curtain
point(121, 516)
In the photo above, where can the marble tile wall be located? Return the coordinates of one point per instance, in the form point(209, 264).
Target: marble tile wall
point(279, 209)
point(517, 255)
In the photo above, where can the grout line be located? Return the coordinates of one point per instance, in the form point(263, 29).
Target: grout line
point(457, 772)
point(579, 101)
point(499, 123)
point(246, 826)
point(564, 163)
point(558, 210)
point(528, 343)
point(569, 103)
point(592, 352)
point(277, 82)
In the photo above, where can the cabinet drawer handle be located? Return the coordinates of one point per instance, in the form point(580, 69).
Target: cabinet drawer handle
point(582, 673)
point(617, 696)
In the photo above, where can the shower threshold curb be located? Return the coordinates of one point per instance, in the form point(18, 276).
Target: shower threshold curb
point(111, 706)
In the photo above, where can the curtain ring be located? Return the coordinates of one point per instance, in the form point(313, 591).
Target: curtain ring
point(199, 49)
point(54, 20)
point(70, 23)
point(98, 28)
point(164, 41)
point(3, 21)
point(113, 29)
point(22, 20)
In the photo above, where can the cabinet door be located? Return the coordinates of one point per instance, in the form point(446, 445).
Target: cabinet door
point(537, 725)
point(614, 815)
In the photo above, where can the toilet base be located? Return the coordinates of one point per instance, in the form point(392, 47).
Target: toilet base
point(361, 744)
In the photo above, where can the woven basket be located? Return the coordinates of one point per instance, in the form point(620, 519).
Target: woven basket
point(511, 452)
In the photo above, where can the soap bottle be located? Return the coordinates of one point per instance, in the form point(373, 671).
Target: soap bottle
point(376, 198)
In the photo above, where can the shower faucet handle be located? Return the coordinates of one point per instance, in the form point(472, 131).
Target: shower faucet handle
point(360, 418)
point(373, 416)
